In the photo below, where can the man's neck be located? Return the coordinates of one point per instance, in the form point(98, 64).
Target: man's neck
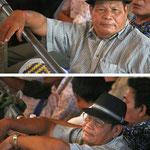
point(142, 19)
point(145, 119)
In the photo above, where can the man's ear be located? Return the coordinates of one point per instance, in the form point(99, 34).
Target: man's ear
point(117, 129)
point(142, 110)
point(127, 9)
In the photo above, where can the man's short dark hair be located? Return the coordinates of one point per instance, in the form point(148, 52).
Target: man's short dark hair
point(141, 87)
point(89, 88)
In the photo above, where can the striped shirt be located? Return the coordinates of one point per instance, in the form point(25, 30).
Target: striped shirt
point(73, 136)
point(127, 51)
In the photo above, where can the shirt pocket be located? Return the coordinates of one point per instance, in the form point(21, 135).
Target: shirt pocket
point(105, 67)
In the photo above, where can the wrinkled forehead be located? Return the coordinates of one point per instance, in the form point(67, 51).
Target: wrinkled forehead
point(93, 117)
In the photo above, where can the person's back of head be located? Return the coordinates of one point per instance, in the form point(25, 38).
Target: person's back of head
point(89, 88)
point(141, 88)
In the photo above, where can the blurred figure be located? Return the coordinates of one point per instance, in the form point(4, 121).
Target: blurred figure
point(141, 20)
point(75, 11)
point(137, 98)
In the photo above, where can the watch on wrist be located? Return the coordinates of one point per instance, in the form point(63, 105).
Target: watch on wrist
point(15, 142)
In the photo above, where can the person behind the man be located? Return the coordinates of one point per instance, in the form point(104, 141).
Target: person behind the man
point(83, 88)
point(137, 99)
point(107, 44)
point(102, 129)
point(141, 19)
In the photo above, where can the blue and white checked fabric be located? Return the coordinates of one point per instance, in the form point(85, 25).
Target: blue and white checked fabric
point(125, 52)
point(73, 136)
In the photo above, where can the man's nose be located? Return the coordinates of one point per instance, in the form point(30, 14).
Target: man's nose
point(107, 14)
point(90, 124)
point(124, 100)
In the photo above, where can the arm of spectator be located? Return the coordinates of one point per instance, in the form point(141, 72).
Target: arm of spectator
point(15, 83)
point(18, 20)
point(84, 13)
point(35, 89)
point(40, 125)
point(65, 16)
point(35, 143)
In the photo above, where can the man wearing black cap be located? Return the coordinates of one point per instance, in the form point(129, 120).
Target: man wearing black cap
point(137, 99)
point(101, 130)
point(107, 44)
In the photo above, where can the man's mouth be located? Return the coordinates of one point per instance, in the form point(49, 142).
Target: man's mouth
point(87, 133)
point(137, 6)
point(106, 25)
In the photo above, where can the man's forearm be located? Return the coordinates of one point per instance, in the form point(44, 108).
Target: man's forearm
point(39, 126)
point(63, 17)
point(36, 22)
point(37, 143)
point(15, 83)
point(16, 22)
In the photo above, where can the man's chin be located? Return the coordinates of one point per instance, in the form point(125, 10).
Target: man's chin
point(87, 141)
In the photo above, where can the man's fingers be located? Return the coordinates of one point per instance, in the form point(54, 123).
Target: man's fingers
point(6, 33)
point(19, 34)
point(4, 30)
point(10, 33)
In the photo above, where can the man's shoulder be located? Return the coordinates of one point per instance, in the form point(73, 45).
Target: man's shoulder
point(117, 143)
point(137, 35)
point(84, 26)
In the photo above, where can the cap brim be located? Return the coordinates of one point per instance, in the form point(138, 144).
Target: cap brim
point(101, 115)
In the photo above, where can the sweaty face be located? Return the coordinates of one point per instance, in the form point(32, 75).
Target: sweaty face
point(96, 132)
point(109, 17)
point(140, 7)
point(132, 112)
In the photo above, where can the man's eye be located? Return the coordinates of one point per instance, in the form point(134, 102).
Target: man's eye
point(115, 9)
point(101, 9)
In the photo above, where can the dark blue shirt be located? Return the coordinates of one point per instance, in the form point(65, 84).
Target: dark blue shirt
point(144, 27)
point(138, 136)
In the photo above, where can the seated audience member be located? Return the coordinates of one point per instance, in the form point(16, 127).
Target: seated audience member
point(85, 100)
point(101, 129)
point(137, 99)
point(53, 92)
point(141, 20)
point(74, 11)
point(60, 99)
point(85, 95)
point(61, 105)
point(103, 45)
